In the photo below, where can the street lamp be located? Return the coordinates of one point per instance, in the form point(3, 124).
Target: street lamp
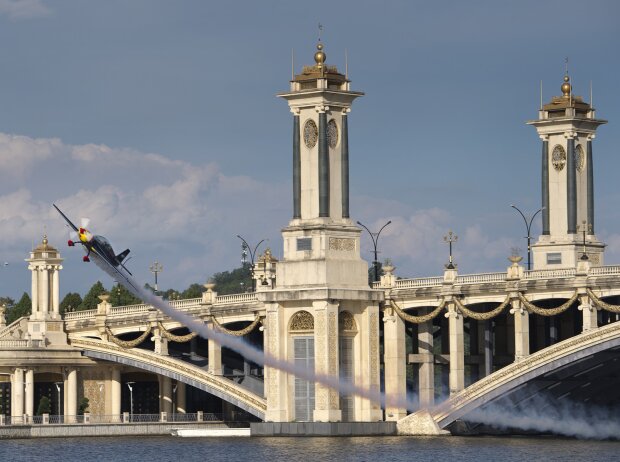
point(375, 242)
point(129, 385)
point(528, 227)
point(156, 268)
point(58, 384)
point(245, 249)
point(450, 238)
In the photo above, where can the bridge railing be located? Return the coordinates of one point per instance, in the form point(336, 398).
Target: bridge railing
point(235, 298)
point(124, 418)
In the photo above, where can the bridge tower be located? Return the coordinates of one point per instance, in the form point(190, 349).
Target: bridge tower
point(321, 313)
point(567, 125)
point(45, 321)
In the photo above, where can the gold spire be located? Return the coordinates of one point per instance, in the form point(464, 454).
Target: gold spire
point(320, 56)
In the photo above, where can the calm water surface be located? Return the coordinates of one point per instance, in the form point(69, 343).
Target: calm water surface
point(383, 449)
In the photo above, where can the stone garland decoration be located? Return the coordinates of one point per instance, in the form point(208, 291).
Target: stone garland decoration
point(417, 319)
point(128, 343)
point(600, 303)
point(548, 311)
point(237, 333)
point(482, 316)
point(175, 338)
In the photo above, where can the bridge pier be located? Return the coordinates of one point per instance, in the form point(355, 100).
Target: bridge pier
point(457, 349)
point(521, 330)
point(215, 356)
point(589, 313)
point(115, 385)
point(426, 370)
point(181, 398)
point(395, 365)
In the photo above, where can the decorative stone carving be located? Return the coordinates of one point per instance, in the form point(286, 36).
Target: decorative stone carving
point(311, 133)
point(579, 158)
point(346, 322)
point(302, 320)
point(558, 157)
point(341, 244)
point(332, 133)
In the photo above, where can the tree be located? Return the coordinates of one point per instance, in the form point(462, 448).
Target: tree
point(84, 403)
point(71, 302)
point(91, 300)
point(233, 282)
point(22, 308)
point(44, 406)
point(193, 291)
point(120, 296)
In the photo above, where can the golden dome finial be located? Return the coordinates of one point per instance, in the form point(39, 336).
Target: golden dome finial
point(566, 86)
point(44, 241)
point(320, 56)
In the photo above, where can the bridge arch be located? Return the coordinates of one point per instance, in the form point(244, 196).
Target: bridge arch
point(564, 360)
point(176, 369)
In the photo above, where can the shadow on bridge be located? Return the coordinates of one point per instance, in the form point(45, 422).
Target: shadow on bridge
point(176, 369)
point(582, 369)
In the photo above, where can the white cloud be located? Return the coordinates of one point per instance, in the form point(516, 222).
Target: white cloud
point(23, 9)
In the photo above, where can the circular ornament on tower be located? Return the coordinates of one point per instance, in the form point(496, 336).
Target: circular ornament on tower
point(311, 133)
point(332, 133)
point(558, 157)
point(579, 158)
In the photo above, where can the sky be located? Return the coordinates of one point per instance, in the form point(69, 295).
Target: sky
point(158, 120)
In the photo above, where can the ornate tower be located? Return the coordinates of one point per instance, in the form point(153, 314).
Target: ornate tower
point(45, 322)
point(567, 125)
point(321, 314)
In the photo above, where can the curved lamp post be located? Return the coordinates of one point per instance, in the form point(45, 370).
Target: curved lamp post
point(245, 249)
point(528, 228)
point(375, 242)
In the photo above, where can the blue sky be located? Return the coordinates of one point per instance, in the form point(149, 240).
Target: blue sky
point(159, 121)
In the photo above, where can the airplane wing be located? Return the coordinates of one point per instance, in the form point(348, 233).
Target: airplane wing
point(75, 228)
point(115, 272)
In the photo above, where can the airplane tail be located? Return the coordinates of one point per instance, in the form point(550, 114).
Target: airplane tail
point(121, 256)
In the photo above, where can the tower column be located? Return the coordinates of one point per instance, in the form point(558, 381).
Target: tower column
point(296, 167)
point(29, 393)
point(457, 349)
point(571, 184)
point(344, 146)
point(71, 395)
point(35, 288)
point(44, 290)
point(55, 293)
point(17, 392)
point(590, 177)
point(327, 403)
point(545, 186)
point(323, 163)
point(395, 365)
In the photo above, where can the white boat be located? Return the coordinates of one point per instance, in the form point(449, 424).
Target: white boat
point(209, 432)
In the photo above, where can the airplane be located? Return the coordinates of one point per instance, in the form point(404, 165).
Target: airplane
point(98, 246)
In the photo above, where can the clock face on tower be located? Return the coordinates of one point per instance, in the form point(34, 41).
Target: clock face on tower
point(311, 133)
point(332, 133)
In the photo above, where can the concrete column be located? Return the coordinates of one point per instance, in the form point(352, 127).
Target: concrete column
point(35, 289)
point(166, 394)
point(160, 343)
point(71, 395)
point(44, 291)
point(181, 395)
point(426, 376)
point(29, 392)
point(368, 375)
point(275, 338)
point(521, 330)
point(545, 185)
point(590, 177)
point(55, 293)
point(296, 167)
point(215, 357)
point(394, 358)
point(326, 361)
point(115, 381)
point(323, 165)
point(17, 391)
point(457, 349)
point(571, 185)
point(589, 313)
point(488, 347)
point(344, 148)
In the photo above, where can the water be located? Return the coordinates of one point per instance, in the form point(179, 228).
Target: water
point(383, 449)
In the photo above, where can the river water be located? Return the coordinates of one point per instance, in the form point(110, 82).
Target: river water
point(382, 449)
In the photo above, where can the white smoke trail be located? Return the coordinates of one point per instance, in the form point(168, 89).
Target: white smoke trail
point(548, 415)
point(248, 351)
